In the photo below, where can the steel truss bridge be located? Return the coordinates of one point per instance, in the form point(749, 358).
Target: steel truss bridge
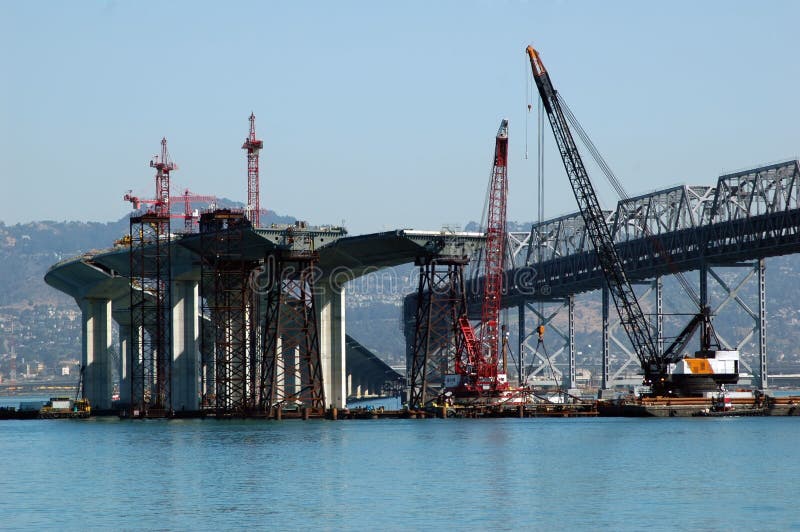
point(749, 215)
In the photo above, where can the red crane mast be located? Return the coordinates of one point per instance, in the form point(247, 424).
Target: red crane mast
point(494, 254)
point(163, 167)
point(479, 374)
point(253, 146)
point(187, 198)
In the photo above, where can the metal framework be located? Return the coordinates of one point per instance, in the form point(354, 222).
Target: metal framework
point(440, 301)
point(253, 147)
point(150, 303)
point(747, 216)
point(150, 298)
point(290, 367)
point(538, 363)
point(226, 296)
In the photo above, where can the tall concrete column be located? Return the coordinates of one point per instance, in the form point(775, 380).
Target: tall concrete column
point(332, 343)
point(185, 345)
point(96, 356)
point(126, 344)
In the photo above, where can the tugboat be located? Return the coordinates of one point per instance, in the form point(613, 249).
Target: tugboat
point(722, 406)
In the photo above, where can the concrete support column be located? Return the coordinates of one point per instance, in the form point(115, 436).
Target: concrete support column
point(331, 304)
point(185, 345)
point(127, 343)
point(95, 357)
point(297, 371)
point(280, 371)
point(208, 359)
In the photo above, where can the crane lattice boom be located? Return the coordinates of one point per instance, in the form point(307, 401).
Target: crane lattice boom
point(630, 312)
point(494, 254)
point(253, 147)
point(163, 167)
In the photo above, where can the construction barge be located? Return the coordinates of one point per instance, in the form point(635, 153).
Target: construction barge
point(55, 408)
point(722, 405)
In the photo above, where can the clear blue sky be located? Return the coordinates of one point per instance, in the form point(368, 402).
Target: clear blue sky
point(381, 114)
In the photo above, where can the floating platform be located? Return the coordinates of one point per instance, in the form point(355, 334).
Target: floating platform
point(699, 407)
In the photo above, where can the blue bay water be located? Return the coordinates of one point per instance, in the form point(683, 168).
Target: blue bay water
point(455, 474)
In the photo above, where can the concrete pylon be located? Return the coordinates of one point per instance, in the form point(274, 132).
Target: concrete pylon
point(331, 305)
point(185, 346)
point(126, 341)
point(96, 356)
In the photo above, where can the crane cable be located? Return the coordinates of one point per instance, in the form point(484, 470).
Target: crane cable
point(618, 188)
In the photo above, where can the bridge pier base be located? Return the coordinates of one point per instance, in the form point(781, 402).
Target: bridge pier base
point(185, 347)
point(126, 339)
point(95, 356)
point(332, 322)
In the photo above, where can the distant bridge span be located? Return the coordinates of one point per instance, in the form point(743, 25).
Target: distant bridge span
point(749, 215)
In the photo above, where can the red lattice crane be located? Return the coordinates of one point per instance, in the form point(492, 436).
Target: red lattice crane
point(253, 147)
point(187, 198)
point(479, 372)
point(163, 167)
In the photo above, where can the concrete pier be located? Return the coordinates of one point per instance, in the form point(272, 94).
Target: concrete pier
point(126, 342)
point(185, 346)
point(95, 356)
point(331, 308)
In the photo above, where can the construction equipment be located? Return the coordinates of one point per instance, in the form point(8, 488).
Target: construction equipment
point(476, 364)
point(189, 216)
point(658, 367)
point(253, 147)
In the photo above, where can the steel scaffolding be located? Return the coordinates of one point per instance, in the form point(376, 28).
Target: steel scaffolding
point(150, 303)
point(226, 297)
point(290, 366)
point(440, 301)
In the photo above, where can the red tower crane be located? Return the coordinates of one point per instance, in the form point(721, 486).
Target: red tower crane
point(479, 374)
point(163, 167)
point(188, 215)
point(187, 198)
point(253, 146)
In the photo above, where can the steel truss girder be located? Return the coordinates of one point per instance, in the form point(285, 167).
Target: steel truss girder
point(732, 293)
point(540, 363)
point(749, 215)
point(612, 325)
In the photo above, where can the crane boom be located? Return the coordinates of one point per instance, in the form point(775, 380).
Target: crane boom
point(477, 358)
point(630, 312)
point(494, 254)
